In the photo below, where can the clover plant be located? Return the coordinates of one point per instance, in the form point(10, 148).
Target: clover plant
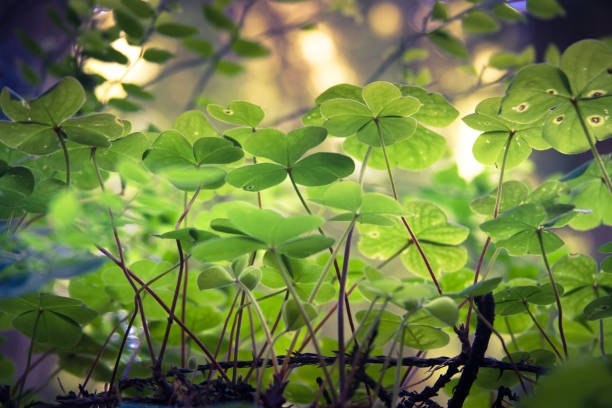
point(176, 266)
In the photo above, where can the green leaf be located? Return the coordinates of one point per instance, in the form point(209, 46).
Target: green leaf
point(521, 218)
point(345, 195)
point(229, 68)
point(43, 194)
point(250, 277)
point(14, 106)
point(213, 277)
point(439, 11)
point(423, 337)
point(341, 91)
point(193, 125)
point(322, 168)
point(189, 178)
point(293, 318)
point(176, 30)
point(237, 113)
point(123, 105)
point(269, 143)
point(446, 42)
point(600, 308)
point(392, 130)
point(479, 22)
point(506, 12)
point(29, 43)
point(217, 19)
point(545, 9)
point(552, 55)
point(16, 183)
point(304, 247)
point(157, 55)
point(378, 95)
point(257, 177)
point(221, 249)
point(435, 110)
point(139, 8)
point(533, 92)
point(444, 309)
point(249, 49)
point(480, 288)
point(59, 102)
point(199, 46)
point(188, 235)
point(93, 130)
point(130, 147)
point(170, 149)
point(513, 194)
point(137, 91)
point(584, 61)
point(129, 24)
point(214, 150)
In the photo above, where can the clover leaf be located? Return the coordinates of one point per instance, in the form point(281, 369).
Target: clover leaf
point(578, 275)
point(566, 97)
point(255, 228)
point(513, 300)
point(513, 194)
point(365, 208)
point(36, 125)
point(438, 238)
point(185, 165)
point(16, 184)
point(238, 113)
point(501, 134)
point(286, 152)
point(383, 114)
point(49, 319)
point(590, 192)
point(517, 230)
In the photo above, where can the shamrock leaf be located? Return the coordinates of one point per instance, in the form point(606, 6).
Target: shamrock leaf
point(255, 228)
point(383, 114)
point(501, 134)
point(591, 193)
point(517, 230)
point(286, 152)
point(171, 154)
point(513, 300)
point(16, 184)
point(570, 99)
point(37, 125)
point(578, 275)
point(513, 194)
point(438, 238)
point(238, 113)
point(49, 319)
point(365, 208)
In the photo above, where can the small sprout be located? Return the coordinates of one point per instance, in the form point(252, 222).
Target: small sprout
point(521, 107)
point(595, 120)
point(595, 93)
point(552, 91)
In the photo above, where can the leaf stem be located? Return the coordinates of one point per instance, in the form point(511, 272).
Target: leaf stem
point(166, 309)
point(60, 137)
point(364, 165)
point(341, 299)
point(587, 134)
point(264, 324)
point(395, 196)
point(498, 197)
point(556, 293)
point(395, 255)
point(542, 331)
point(121, 347)
point(26, 371)
point(398, 370)
point(304, 315)
point(299, 194)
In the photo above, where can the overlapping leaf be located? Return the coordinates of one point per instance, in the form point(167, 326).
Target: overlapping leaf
point(35, 124)
point(567, 97)
point(438, 238)
point(286, 152)
point(255, 228)
point(501, 134)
